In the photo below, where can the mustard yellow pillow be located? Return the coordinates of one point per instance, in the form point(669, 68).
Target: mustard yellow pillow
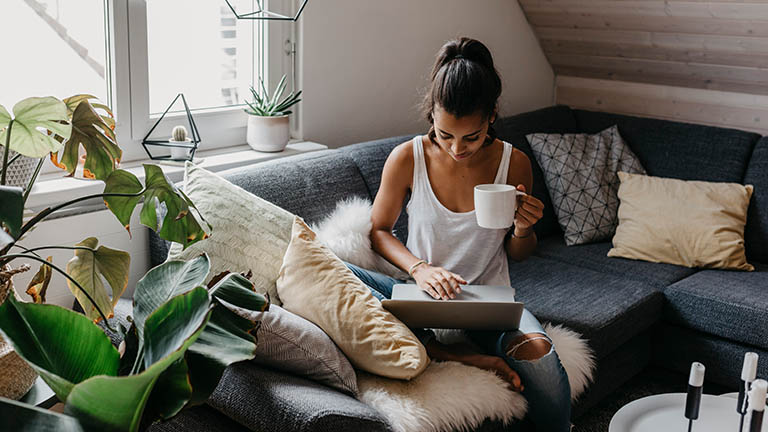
point(688, 223)
point(316, 285)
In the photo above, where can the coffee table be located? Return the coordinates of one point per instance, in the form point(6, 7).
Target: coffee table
point(664, 412)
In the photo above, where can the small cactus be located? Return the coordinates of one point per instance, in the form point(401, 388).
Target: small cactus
point(179, 134)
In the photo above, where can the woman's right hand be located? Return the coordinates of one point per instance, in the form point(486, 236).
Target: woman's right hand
point(438, 282)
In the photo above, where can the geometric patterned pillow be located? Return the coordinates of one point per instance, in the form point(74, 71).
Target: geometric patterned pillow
point(580, 173)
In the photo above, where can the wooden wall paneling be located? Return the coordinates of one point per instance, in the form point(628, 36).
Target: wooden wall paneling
point(723, 109)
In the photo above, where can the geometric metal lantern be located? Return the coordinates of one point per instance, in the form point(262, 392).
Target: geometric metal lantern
point(192, 145)
point(263, 14)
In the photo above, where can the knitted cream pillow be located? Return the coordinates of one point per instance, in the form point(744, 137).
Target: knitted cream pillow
point(249, 233)
point(316, 285)
point(688, 223)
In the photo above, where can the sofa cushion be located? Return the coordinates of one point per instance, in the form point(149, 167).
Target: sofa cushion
point(593, 257)
point(513, 129)
point(307, 185)
point(265, 400)
point(756, 235)
point(608, 310)
point(732, 305)
point(369, 158)
point(679, 150)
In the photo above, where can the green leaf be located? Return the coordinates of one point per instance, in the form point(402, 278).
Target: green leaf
point(12, 210)
point(164, 282)
point(87, 267)
point(30, 114)
point(89, 130)
point(20, 417)
point(236, 290)
point(121, 181)
point(166, 210)
point(118, 403)
point(5, 117)
point(63, 346)
point(171, 393)
point(227, 339)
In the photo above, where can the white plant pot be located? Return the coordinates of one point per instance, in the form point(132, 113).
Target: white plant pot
point(181, 153)
point(268, 134)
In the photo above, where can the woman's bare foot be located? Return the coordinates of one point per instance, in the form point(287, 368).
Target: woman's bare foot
point(464, 353)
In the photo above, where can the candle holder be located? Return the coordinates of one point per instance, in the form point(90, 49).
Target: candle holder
point(262, 14)
point(190, 146)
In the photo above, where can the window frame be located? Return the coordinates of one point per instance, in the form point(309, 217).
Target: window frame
point(129, 89)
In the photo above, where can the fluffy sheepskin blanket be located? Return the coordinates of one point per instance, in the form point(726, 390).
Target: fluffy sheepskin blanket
point(447, 395)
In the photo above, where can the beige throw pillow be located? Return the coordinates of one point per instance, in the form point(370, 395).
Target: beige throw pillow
point(249, 233)
point(688, 223)
point(317, 286)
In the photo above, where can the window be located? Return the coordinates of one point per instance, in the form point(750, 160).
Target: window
point(137, 55)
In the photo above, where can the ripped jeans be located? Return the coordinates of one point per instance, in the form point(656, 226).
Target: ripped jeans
point(545, 382)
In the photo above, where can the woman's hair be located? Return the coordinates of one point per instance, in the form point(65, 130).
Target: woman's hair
point(464, 81)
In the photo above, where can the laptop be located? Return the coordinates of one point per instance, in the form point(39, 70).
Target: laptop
point(477, 307)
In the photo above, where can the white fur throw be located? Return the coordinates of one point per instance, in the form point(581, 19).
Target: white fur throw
point(346, 232)
point(447, 396)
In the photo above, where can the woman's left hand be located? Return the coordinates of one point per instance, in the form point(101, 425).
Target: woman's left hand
point(529, 211)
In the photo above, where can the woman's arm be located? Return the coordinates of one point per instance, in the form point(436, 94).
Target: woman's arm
point(395, 183)
point(522, 241)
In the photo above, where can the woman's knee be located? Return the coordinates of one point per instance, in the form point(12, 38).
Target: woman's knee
point(530, 346)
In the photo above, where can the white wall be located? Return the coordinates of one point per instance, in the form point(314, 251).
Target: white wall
point(365, 63)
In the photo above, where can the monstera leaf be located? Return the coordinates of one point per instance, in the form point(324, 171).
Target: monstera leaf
point(88, 266)
point(33, 117)
point(95, 134)
point(166, 209)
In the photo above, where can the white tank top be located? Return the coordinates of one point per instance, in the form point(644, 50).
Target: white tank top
point(454, 240)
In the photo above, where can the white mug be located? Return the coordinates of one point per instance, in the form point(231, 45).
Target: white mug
point(495, 205)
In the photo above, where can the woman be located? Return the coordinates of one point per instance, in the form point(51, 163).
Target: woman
point(446, 248)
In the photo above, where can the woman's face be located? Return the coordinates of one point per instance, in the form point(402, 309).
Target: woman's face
point(460, 137)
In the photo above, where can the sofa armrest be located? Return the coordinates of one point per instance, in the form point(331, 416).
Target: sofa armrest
point(263, 399)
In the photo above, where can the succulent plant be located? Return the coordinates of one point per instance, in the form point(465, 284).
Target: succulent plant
point(179, 134)
point(265, 106)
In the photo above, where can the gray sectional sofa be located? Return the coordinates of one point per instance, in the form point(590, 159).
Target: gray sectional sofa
point(633, 313)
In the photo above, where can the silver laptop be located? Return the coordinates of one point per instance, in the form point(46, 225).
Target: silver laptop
point(478, 307)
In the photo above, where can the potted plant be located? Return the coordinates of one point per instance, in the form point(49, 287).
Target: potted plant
point(182, 336)
point(268, 122)
point(182, 148)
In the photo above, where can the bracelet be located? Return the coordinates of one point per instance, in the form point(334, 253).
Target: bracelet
point(413, 267)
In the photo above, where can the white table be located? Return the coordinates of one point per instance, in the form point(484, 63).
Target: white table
point(665, 412)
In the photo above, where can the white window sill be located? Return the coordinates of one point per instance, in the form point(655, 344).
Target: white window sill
point(51, 189)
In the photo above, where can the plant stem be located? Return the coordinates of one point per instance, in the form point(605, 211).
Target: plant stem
point(32, 180)
point(56, 247)
point(13, 159)
point(79, 287)
point(45, 213)
point(6, 152)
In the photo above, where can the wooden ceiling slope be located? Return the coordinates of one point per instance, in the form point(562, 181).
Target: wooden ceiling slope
point(715, 45)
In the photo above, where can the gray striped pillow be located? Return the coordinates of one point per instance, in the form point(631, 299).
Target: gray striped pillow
point(290, 343)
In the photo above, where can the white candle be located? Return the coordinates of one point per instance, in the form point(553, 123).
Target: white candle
point(696, 378)
point(757, 395)
point(749, 371)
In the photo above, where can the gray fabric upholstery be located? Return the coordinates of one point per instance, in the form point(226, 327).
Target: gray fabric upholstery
point(308, 185)
point(198, 418)
point(608, 310)
point(679, 150)
point(594, 257)
point(676, 348)
point(729, 304)
point(513, 129)
point(756, 235)
point(266, 400)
